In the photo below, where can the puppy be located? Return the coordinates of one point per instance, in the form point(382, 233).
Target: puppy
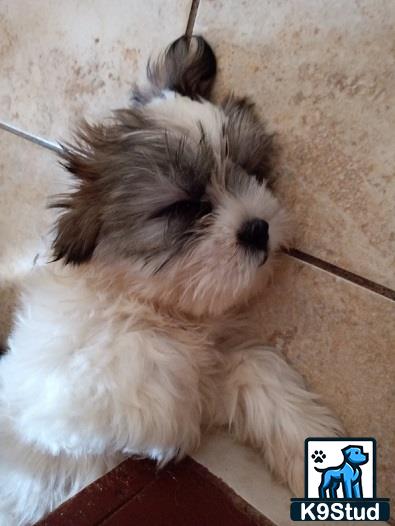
point(171, 224)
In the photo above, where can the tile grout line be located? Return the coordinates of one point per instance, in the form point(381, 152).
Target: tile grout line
point(347, 275)
point(191, 19)
point(44, 143)
point(294, 253)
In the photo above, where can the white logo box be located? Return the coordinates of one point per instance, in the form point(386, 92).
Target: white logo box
point(332, 449)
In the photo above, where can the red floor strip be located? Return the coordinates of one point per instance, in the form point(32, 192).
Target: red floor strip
point(137, 494)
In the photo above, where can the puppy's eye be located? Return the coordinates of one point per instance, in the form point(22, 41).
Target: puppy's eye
point(258, 178)
point(186, 209)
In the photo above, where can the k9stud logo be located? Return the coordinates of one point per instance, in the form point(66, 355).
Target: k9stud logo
point(340, 482)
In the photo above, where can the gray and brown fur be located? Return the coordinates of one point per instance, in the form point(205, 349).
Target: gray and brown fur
point(143, 188)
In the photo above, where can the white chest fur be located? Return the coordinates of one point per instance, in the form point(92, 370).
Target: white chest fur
point(88, 372)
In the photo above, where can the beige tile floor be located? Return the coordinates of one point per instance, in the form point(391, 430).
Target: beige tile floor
point(322, 73)
point(61, 60)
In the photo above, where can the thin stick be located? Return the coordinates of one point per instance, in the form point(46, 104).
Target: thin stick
point(53, 146)
point(191, 20)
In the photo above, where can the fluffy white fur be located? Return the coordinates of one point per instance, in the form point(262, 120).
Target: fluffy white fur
point(105, 362)
point(94, 373)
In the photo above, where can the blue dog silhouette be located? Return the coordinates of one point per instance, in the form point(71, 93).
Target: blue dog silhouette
point(348, 474)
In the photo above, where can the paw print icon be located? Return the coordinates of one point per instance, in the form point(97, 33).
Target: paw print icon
point(318, 456)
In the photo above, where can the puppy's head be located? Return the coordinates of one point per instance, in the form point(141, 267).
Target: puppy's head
point(176, 189)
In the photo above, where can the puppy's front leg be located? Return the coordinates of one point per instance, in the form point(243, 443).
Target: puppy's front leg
point(268, 406)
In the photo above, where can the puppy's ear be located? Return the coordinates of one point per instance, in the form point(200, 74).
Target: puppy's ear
point(188, 67)
point(78, 227)
point(247, 142)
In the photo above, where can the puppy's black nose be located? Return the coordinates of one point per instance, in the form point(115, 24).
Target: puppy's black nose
point(254, 234)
